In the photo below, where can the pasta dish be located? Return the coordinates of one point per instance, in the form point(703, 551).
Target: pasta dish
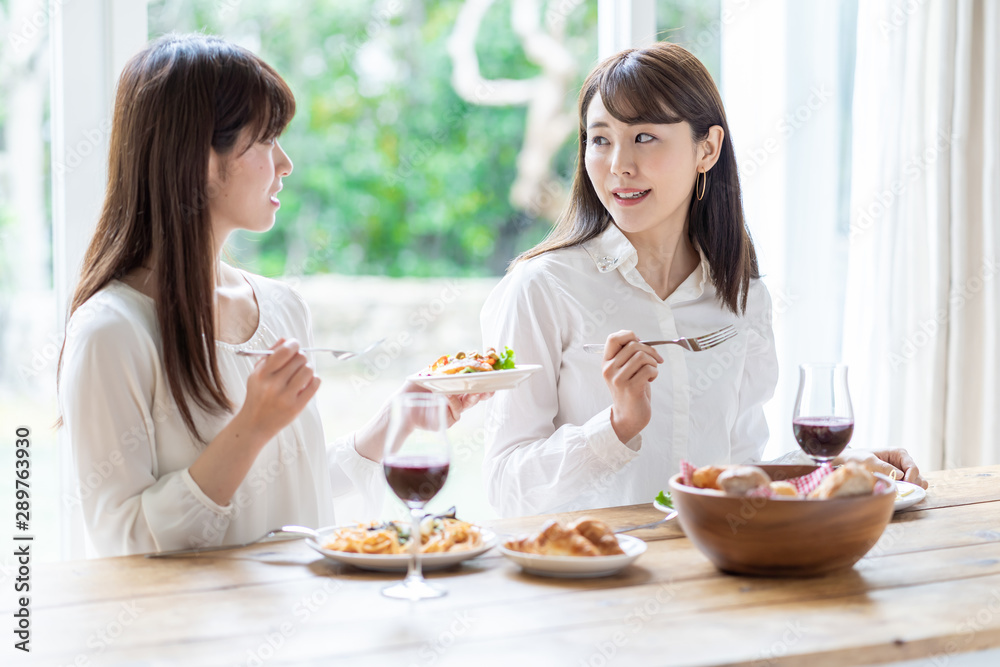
point(393, 537)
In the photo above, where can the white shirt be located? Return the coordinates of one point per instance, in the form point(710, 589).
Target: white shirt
point(132, 450)
point(550, 444)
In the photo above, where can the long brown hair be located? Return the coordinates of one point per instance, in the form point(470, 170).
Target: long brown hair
point(177, 99)
point(662, 84)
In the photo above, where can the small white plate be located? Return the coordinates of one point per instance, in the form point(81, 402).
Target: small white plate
point(914, 494)
point(400, 562)
point(572, 567)
point(475, 383)
point(662, 508)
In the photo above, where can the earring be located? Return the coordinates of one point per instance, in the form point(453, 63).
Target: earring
point(701, 182)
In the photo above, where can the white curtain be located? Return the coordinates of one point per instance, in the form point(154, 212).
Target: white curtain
point(922, 320)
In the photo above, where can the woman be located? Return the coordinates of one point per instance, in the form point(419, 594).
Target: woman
point(653, 245)
point(191, 443)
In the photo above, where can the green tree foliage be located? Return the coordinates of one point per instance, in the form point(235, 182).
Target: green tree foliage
point(394, 173)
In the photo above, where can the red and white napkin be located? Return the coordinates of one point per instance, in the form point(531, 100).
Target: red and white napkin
point(804, 485)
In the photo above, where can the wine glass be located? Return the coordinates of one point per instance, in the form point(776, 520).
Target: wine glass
point(823, 419)
point(416, 460)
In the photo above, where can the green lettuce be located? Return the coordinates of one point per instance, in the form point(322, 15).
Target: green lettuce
point(664, 499)
point(506, 360)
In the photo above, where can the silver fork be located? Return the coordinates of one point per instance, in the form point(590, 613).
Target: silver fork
point(283, 533)
point(695, 344)
point(670, 515)
point(339, 355)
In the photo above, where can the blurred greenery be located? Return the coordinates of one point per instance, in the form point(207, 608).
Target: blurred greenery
point(394, 173)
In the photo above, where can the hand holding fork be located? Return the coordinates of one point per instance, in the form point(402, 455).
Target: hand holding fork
point(694, 344)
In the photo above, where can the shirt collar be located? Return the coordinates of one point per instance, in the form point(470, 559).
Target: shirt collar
point(611, 250)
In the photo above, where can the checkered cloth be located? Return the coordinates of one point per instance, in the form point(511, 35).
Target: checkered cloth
point(807, 483)
point(804, 485)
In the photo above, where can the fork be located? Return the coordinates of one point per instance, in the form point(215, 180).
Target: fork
point(285, 532)
point(670, 515)
point(695, 344)
point(339, 355)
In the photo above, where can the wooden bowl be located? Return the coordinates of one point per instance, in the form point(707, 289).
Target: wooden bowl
point(781, 538)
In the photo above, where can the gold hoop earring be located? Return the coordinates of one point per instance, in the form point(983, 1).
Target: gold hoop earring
point(701, 182)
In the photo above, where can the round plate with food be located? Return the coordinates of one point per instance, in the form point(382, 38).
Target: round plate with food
point(377, 547)
point(907, 495)
point(475, 383)
point(579, 566)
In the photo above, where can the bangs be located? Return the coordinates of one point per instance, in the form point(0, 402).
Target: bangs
point(272, 106)
point(252, 96)
point(636, 94)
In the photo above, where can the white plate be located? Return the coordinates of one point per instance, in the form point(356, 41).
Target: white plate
point(400, 562)
point(662, 508)
point(916, 494)
point(571, 567)
point(475, 383)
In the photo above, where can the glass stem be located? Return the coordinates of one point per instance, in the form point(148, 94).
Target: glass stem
point(415, 571)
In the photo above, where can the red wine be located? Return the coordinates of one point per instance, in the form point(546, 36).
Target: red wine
point(823, 437)
point(416, 479)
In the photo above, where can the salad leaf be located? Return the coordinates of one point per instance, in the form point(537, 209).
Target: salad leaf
point(506, 360)
point(665, 499)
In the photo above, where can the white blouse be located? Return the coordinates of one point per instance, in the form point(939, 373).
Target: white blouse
point(132, 450)
point(550, 443)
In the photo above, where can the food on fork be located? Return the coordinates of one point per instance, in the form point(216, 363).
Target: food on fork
point(472, 362)
point(585, 537)
point(850, 479)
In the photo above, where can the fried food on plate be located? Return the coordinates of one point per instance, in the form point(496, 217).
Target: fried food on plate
point(585, 537)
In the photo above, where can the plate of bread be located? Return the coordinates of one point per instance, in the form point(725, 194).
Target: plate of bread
point(584, 548)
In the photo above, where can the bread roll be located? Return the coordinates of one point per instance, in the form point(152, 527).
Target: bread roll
point(599, 534)
point(741, 480)
point(850, 479)
point(784, 489)
point(707, 477)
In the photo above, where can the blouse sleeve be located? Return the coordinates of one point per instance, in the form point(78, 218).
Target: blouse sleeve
point(106, 399)
point(532, 467)
point(760, 376)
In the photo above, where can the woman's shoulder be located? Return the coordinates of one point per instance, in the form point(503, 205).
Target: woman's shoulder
point(117, 319)
point(554, 268)
point(758, 296)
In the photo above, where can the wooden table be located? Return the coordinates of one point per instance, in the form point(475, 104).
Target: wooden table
point(929, 589)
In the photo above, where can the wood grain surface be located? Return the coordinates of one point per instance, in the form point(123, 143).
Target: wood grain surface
point(930, 588)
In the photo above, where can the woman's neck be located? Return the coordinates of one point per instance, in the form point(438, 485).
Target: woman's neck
point(666, 257)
